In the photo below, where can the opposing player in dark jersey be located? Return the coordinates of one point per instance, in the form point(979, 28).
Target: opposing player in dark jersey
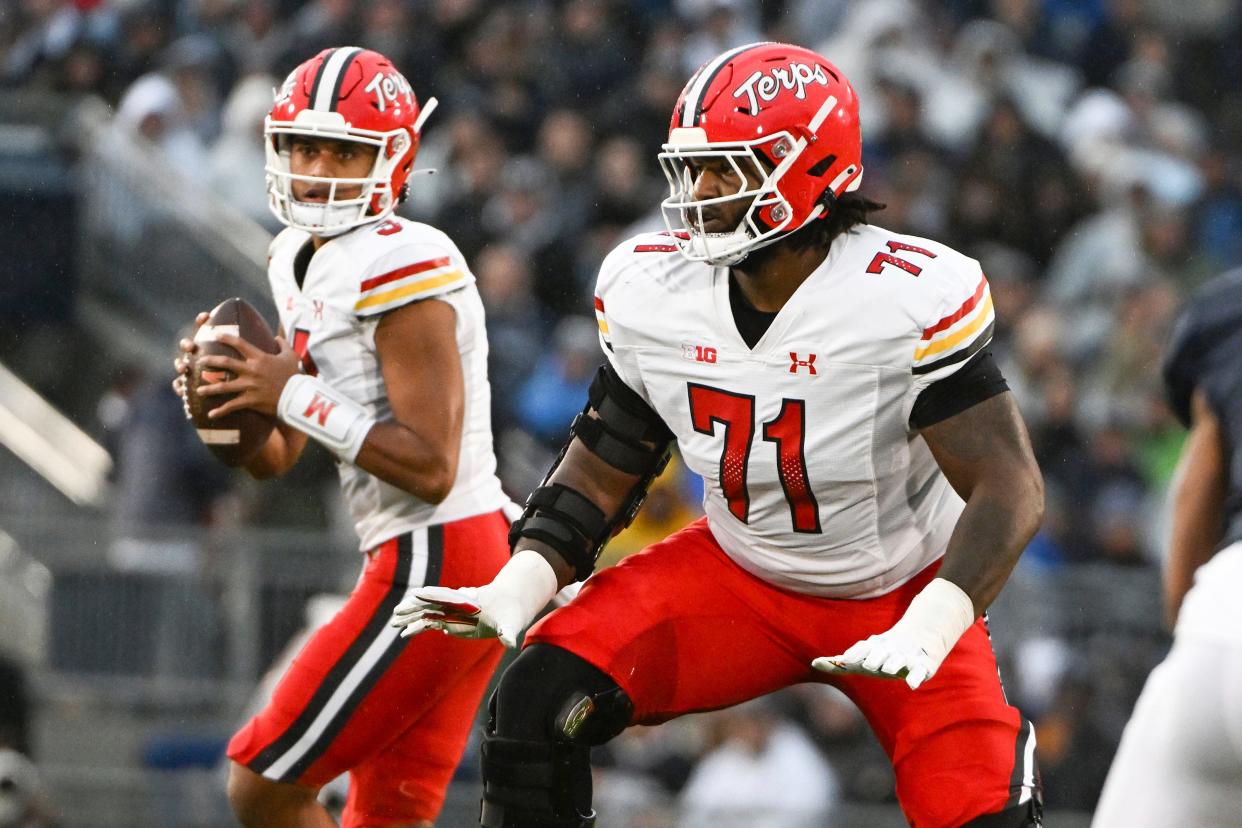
point(1180, 760)
point(869, 481)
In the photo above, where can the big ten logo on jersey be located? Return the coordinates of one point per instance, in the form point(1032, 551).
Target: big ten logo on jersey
point(765, 86)
point(698, 353)
point(386, 86)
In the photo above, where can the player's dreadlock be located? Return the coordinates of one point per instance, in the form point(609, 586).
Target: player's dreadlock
point(844, 213)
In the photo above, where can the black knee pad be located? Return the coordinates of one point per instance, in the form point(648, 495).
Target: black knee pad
point(550, 693)
point(548, 710)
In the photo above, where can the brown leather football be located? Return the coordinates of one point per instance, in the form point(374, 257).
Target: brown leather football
point(235, 437)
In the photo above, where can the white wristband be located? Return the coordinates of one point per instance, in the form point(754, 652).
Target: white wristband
point(528, 580)
point(317, 409)
point(938, 616)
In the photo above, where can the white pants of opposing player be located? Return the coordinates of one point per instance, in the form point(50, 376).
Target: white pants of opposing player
point(1180, 760)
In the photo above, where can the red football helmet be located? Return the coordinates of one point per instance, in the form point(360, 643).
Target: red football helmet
point(348, 94)
point(780, 112)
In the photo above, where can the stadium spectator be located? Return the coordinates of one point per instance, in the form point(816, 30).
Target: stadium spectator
point(764, 772)
point(235, 166)
point(553, 394)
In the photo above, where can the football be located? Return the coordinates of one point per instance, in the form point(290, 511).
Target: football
point(235, 437)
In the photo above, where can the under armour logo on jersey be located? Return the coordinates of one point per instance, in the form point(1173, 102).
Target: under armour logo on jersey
point(698, 353)
point(318, 303)
point(765, 86)
point(796, 362)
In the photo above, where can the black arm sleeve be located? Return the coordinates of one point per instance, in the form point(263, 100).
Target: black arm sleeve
point(978, 380)
point(655, 429)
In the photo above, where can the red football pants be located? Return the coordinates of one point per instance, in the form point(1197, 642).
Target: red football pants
point(396, 713)
point(681, 628)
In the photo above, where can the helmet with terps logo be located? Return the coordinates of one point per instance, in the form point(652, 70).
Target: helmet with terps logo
point(346, 94)
point(778, 114)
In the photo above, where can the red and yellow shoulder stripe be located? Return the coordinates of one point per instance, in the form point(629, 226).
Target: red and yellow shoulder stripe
point(599, 316)
point(407, 283)
point(959, 335)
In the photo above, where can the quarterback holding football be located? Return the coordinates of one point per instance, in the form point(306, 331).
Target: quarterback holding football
point(382, 359)
point(869, 480)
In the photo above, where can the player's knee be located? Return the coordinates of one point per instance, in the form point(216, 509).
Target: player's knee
point(549, 708)
point(550, 694)
point(258, 801)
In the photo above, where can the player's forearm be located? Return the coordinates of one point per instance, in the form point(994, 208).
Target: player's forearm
point(599, 482)
point(401, 457)
point(1198, 506)
point(1000, 518)
point(986, 455)
point(281, 451)
point(1199, 491)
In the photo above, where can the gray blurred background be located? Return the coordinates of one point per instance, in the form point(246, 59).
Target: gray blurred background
point(1085, 151)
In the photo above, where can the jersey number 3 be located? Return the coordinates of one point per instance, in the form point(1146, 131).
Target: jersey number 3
point(736, 412)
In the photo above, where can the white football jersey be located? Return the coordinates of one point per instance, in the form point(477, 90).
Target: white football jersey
point(331, 320)
point(814, 479)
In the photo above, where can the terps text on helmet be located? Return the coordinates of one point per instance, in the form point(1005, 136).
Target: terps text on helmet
point(765, 86)
point(386, 86)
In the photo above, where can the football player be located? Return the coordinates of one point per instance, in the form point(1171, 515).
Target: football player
point(385, 366)
point(1180, 760)
point(870, 482)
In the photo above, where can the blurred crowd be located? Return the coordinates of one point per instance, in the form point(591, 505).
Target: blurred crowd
point(1085, 151)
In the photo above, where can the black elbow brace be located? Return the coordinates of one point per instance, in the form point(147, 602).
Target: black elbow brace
point(623, 427)
point(619, 435)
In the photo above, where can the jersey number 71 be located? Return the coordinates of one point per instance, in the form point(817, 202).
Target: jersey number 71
point(736, 412)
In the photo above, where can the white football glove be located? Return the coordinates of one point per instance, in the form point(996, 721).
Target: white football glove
point(501, 609)
point(914, 647)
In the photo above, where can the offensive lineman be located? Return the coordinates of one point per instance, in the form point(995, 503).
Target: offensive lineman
point(870, 482)
point(387, 328)
point(1180, 759)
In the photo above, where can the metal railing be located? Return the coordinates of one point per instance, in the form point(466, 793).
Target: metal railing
point(49, 443)
point(156, 245)
point(151, 613)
